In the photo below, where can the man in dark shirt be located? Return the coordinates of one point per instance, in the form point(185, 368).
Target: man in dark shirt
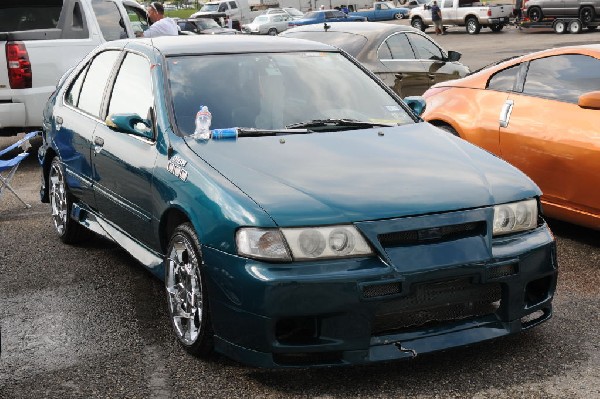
point(436, 17)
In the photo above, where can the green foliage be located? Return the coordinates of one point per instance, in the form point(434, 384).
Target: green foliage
point(183, 13)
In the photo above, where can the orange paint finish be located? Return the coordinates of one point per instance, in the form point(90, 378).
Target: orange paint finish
point(553, 137)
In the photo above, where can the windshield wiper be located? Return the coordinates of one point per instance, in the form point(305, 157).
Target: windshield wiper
point(254, 132)
point(337, 122)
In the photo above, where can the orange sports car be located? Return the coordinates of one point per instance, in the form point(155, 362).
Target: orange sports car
point(540, 112)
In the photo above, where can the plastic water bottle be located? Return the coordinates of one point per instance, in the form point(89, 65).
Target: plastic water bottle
point(203, 121)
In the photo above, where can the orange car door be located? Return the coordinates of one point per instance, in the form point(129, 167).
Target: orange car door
point(550, 138)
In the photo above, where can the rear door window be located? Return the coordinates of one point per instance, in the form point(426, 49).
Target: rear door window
point(424, 48)
point(400, 47)
point(92, 90)
point(505, 79)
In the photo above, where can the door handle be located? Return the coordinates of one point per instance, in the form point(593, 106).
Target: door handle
point(58, 121)
point(431, 76)
point(98, 144)
point(505, 113)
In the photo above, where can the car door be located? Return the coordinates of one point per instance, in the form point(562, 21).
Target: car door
point(551, 138)
point(405, 74)
point(432, 57)
point(76, 121)
point(123, 163)
point(449, 13)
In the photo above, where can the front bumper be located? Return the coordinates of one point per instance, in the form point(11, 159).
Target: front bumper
point(370, 310)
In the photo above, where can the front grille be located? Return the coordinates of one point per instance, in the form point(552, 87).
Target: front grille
point(435, 303)
point(376, 290)
point(431, 235)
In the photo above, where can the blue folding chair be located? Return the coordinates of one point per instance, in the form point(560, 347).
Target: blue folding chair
point(12, 164)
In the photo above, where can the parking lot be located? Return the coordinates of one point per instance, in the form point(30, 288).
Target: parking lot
point(89, 321)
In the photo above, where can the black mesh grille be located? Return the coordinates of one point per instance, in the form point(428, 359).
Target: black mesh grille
point(375, 290)
point(432, 303)
point(429, 235)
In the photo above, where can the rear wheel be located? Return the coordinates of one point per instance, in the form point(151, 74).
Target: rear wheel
point(575, 26)
point(272, 32)
point(587, 14)
point(187, 296)
point(69, 231)
point(473, 26)
point(497, 27)
point(399, 16)
point(417, 23)
point(535, 14)
point(560, 27)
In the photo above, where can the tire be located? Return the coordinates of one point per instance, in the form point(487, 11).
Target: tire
point(535, 14)
point(497, 27)
point(473, 26)
point(399, 16)
point(417, 23)
point(272, 32)
point(187, 296)
point(575, 26)
point(61, 203)
point(449, 129)
point(587, 14)
point(560, 27)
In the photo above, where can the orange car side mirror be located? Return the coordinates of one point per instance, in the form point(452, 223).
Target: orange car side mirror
point(590, 100)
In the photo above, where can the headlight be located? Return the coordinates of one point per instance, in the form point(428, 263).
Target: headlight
point(514, 217)
point(302, 243)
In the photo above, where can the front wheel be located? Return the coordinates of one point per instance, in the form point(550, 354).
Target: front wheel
point(587, 14)
point(399, 16)
point(535, 14)
point(473, 26)
point(69, 231)
point(417, 23)
point(497, 27)
point(272, 32)
point(187, 296)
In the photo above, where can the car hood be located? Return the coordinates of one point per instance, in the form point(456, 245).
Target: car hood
point(357, 175)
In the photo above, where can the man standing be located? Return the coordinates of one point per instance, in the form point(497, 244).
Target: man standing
point(436, 17)
point(161, 25)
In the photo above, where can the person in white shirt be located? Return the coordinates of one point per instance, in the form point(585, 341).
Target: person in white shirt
point(161, 25)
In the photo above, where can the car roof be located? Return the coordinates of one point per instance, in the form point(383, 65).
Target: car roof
point(363, 28)
point(219, 44)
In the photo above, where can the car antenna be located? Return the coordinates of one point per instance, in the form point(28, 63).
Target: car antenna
point(326, 27)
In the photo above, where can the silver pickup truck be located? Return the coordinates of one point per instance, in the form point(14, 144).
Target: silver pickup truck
point(471, 14)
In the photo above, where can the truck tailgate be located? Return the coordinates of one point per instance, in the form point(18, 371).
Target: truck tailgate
point(501, 11)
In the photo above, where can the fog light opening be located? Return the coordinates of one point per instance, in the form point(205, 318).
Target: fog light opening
point(537, 291)
point(297, 331)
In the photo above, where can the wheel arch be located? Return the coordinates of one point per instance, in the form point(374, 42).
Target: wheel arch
point(46, 162)
point(471, 16)
point(438, 122)
point(171, 218)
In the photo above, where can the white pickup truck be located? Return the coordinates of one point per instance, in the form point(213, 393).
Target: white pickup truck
point(41, 40)
point(471, 14)
point(237, 11)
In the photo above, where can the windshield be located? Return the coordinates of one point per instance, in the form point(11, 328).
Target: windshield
point(210, 7)
point(206, 23)
point(271, 91)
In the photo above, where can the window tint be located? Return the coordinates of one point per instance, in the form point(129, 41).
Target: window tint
point(92, 90)
point(72, 96)
point(15, 16)
point(232, 5)
point(400, 47)
point(109, 19)
point(447, 4)
point(563, 77)
point(424, 48)
point(505, 79)
point(222, 7)
point(132, 92)
point(384, 53)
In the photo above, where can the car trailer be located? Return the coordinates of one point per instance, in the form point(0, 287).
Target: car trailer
point(562, 25)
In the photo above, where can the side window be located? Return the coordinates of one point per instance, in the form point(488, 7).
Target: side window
point(77, 17)
point(563, 77)
point(505, 79)
point(447, 4)
point(425, 48)
point(94, 83)
point(222, 7)
point(109, 19)
point(72, 96)
point(400, 47)
point(132, 92)
point(384, 53)
point(232, 5)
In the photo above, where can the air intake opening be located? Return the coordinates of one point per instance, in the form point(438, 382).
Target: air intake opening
point(537, 291)
point(432, 234)
point(297, 331)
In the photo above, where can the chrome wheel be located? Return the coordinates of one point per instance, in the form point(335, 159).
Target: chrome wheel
point(399, 16)
point(473, 26)
point(58, 197)
point(560, 27)
point(184, 290)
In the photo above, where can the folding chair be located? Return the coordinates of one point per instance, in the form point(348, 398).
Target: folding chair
point(12, 164)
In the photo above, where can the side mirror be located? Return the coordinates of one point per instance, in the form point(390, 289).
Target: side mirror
point(590, 100)
point(130, 123)
point(416, 104)
point(453, 56)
